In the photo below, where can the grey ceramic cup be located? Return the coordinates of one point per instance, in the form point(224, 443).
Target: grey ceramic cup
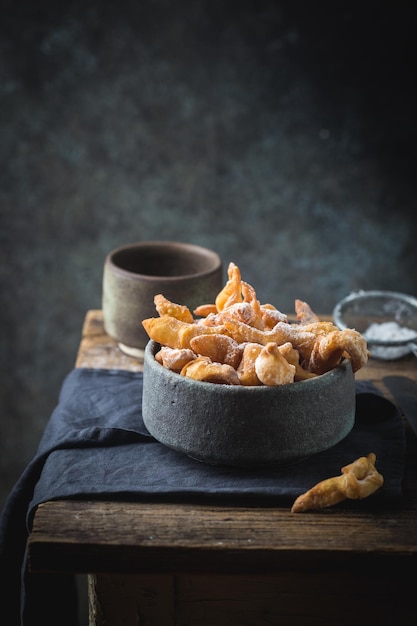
point(133, 274)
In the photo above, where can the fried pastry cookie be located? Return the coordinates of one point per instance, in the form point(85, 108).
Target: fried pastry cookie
point(204, 370)
point(358, 480)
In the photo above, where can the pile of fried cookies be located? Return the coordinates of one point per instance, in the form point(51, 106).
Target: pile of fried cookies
point(238, 341)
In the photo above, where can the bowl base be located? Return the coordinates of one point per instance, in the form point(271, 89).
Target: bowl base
point(137, 353)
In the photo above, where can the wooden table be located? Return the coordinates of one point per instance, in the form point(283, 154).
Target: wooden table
point(197, 565)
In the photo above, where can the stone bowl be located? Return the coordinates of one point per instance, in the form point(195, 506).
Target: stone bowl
point(247, 426)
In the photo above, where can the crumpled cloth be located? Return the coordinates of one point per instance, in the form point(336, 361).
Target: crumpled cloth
point(96, 445)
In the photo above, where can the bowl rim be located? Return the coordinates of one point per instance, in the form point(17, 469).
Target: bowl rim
point(214, 257)
point(363, 295)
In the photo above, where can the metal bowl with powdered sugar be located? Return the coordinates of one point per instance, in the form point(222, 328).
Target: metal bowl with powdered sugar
point(387, 320)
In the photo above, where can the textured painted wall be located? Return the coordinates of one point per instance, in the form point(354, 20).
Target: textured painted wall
point(282, 134)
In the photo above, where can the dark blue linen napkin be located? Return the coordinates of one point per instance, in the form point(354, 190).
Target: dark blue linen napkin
point(96, 445)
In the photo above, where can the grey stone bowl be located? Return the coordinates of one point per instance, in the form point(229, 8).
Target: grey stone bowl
point(247, 426)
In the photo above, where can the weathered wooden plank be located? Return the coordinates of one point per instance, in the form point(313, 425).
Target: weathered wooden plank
point(234, 528)
point(135, 537)
point(98, 350)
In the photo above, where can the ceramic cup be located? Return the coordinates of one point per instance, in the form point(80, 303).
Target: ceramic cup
point(133, 274)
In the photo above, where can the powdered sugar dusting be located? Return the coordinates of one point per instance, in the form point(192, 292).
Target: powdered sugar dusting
point(389, 332)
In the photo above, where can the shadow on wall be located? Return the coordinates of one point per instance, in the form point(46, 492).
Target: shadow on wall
point(280, 134)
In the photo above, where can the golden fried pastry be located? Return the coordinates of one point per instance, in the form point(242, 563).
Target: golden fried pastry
point(171, 332)
point(301, 339)
point(358, 480)
point(205, 309)
point(244, 333)
point(326, 354)
point(272, 368)
point(249, 297)
point(212, 319)
point(174, 358)
point(232, 291)
point(329, 349)
point(304, 344)
point(240, 311)
point(317, 328)
point(293, 356)
point(219, 348)
point(246, 368)
point(305, 315)
point(271, 316)
point(249, 294)
point(204, 370)
point(166, 307)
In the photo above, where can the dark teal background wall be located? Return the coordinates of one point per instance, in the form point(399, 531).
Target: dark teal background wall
point(281, 134)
